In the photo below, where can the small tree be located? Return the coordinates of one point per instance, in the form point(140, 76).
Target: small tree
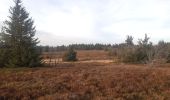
point(126, 51)
point(129, 40)
point(145, 50)
point(141, 53)
point(70, 55)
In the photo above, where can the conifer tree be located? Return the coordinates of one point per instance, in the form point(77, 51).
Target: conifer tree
point(18, 37)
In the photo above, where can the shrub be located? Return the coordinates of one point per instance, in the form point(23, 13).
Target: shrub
point(70, 55)
point(129, 55)
point(141, 53)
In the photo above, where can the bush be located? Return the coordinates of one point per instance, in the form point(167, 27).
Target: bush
point(129, 55)
point(141, 53)
point(70, 55)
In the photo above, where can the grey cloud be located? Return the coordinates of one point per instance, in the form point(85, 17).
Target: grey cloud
point(53, 40)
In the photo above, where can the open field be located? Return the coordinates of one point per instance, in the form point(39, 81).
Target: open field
point(86, 81)
point(84, 50)
point(82, 55)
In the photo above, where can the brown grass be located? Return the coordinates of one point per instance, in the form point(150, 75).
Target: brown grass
point(86, 81)
point(82, 55)
point(92, 55)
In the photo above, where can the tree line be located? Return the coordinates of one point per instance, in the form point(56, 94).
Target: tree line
point(96, 46)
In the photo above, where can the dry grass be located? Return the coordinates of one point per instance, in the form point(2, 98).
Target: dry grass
point(86, 81)
point(92, 55)
point(82, 55)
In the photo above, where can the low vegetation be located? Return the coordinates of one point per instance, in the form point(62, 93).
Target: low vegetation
point(70, 55)
point(86, 81)
point(142, 53)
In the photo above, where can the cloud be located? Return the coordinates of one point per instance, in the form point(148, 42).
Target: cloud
point(106, 21)
point(51, 39)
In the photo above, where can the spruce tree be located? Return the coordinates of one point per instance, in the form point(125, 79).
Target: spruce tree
point(18, 37)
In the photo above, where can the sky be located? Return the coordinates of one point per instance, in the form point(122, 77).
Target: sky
point(66, 22)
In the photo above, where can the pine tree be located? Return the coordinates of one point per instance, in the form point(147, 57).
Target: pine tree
point(18, 37)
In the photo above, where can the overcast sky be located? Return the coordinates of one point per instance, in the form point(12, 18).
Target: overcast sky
point(96, 21)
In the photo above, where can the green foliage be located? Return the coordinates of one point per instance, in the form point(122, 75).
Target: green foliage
point(97, 46)
point(127, 51)
point(18, 36)
point(141, 53)
point(129, 40)
point(70, 55)
point(3, 57)
point(145, 51)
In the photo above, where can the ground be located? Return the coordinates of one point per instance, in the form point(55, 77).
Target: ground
point(94, 77)
point(86, 81)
